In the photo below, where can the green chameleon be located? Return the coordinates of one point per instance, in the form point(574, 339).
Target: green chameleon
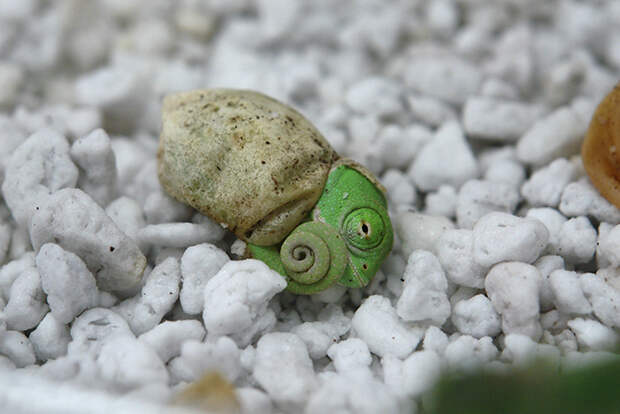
point(263, 171)
point(346, 239)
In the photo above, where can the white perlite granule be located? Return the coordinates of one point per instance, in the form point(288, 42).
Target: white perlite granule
point(470, 112)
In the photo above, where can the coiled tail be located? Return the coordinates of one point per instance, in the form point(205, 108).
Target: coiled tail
point(314, 257)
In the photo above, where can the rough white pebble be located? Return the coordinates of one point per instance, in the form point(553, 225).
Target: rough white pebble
point(60, 117)
point(6, 364)
point(93, 154)
point(159, 207)
point(566, 341)
point(545, 186)
point(130, 157)
point(81, 121)
point(168, 337)
point(396, 147)
point(20, 245)
point(377, 30)
point(362, 130)
point(71, 219)
point(277, 18)
point(513, 290)
point(11, 81)
point(236, 300)
point(462, 293)
point(430, 111)
point(399, 189)
point(127, 214)
point(499, 88)
point(362, 394)
point(609, 246)
point(284, 369)
point(442, 75)
point(564, 80)
point(148, 36)
point(576, 240)
point(594, 336)
point(252, 400)
point(491, 155)
point(158, 295)
point(441, 202)
point(554, 321)
point(553, 221)
point(468, 353)
point(546, 265)
point(12, 270)
point(445, 159)
point(50, 339)
point(180, 234)
point(375, 95)
point(37, 168)
point(502, 237)
point(377, 324)
point(26, 303)
point(505, 171)
point(15, 346)
point(93, 328)
point(198, 358)
point(442, 17)
point(498, 119)
point(128, 363)
point(198, 265)
point(568, 296)
point(435, 340)
point(68, 284)
point(350, 355)
point(522, 350)
point(559, 134)
point(419, 373)
point(456, 255)
point(6, 234)
point(604, 299)
point(424, 297)
point(13, 136)
point(476, 317)
point(320, 335)
point(419, 231)
point(479, 197)
point(117, 90)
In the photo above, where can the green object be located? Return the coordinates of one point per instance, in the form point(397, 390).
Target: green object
point(538, 389)
point(347, 237)
point(263, 171)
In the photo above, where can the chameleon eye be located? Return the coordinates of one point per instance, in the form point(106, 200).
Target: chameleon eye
point(364, 228)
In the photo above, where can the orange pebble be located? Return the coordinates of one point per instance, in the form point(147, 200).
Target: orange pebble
point(600, 151)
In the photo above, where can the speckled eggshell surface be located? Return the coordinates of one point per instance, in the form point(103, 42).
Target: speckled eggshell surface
point(243, 159)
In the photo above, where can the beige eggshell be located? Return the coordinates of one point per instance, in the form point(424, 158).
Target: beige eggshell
point(600, 151)
point(243, 159)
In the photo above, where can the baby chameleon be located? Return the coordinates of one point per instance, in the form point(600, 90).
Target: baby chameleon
point(262, 170)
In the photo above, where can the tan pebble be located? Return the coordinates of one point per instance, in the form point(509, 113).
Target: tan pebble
point(601, 149)
point(212, 393)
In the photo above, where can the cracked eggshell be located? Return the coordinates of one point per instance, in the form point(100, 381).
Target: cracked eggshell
point(215, 140)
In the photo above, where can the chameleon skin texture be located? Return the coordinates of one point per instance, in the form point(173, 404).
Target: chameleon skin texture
point(355, 211)
point(243, 159)
point(600, 151)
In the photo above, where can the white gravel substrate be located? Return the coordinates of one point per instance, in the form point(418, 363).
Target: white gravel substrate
point(470, 111)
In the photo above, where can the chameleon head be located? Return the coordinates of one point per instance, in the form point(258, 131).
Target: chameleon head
point(348, 237)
